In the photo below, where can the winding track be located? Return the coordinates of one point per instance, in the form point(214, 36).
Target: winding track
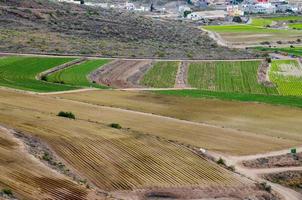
point(255, 174)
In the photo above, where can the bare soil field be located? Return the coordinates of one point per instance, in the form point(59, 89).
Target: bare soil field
point(216, 138)
point(291, 179)
point(121, 73)
point(287, 160)
point(260, 119)
point(28, 178)
point(116, 160)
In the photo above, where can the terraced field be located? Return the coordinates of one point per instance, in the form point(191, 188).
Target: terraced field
point(113, 159)
point(296, 26)
point(224, 76)
point(161, 75)
point(20, 73)
point(256, 32)
point(77, 75)
point(255, 118)
point(217, 138)
point(287, 75)
point(28, 178)
point(297, 50)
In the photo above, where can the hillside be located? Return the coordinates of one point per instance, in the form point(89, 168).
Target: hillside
point(41, 26)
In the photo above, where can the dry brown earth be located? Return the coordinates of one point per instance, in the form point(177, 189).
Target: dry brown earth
point(28, 178)
point(279, 122)
point(121, 73)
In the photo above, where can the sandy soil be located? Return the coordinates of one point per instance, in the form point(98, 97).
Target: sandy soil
point(121, 73)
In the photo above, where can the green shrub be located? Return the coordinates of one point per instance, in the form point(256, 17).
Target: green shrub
point(66, 114)
point(115, 125)
point(7, 191)
point(44, 78)
point(46, 157)
point(220, 161)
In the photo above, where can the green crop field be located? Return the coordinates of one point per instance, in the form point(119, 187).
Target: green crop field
point(77, 74)
point(292, 101)
point(20, 73)
point(256, 32)
point(287, 75)
point(296, 26)
point(239, 76)
point(161, 75)
point(297, 51)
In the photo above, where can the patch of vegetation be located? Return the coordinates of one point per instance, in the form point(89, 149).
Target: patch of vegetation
point(69, 115)
point(115, 125)
point(77, 74)
point(220, 161)
point(284, 74)
point(269, 99)
point(20, 72)
point(161, 75)
point(297, 50)
point(238, 76)
point(7, 192)
point(46, 156)
point(75, 29)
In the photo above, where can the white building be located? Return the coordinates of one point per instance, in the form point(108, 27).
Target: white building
point(212, 14)
point(234, 10)
point(266, 8)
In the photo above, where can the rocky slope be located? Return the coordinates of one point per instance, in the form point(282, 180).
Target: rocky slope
point(51, 27)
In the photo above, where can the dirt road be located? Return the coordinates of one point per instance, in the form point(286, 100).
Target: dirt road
point(121, 73)
point(181, 80)
point(255, 174)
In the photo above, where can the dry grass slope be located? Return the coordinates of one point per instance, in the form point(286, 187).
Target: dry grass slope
point(115, 159)
point(226, 140)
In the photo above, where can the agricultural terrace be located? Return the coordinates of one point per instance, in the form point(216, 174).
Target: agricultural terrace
point(245, 116)
point(112, 159)
point(287, 75)
point(227, 76)
point(20, 73)
point(29, 178)
point(296, 26)
point(296, 51)
point(77, 74)
point(256, 32)
point(228, 140)
point(161, 75)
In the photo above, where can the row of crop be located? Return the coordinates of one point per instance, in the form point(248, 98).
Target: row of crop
point(35, 184)
point(228, 76)
point(77, 74)
point(129, 163)
point(287, 79)
point(161, 75)
point(20, 73)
